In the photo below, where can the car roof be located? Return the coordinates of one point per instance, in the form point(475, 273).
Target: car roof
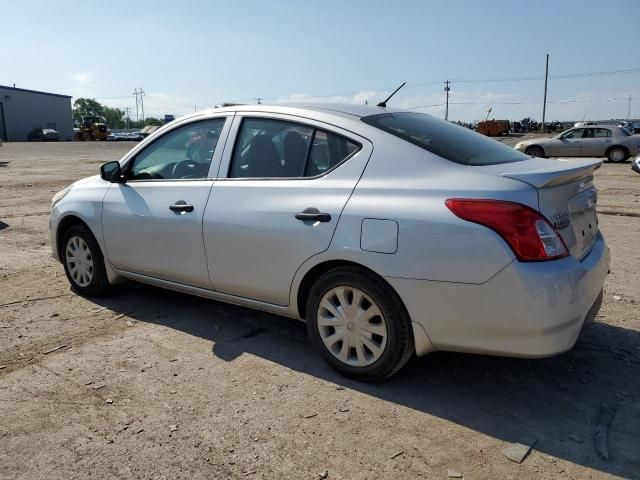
point(599, 125)
point(340, 109)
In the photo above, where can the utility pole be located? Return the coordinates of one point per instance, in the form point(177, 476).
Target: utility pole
point(629, 108)
point(259, 100)
point(135, 94)
point(126, 110)
point(544, 103)
point(138, 93)
point(447, 88)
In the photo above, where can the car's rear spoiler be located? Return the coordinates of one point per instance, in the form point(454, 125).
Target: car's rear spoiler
point(545, 172)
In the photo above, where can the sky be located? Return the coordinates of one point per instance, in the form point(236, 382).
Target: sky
point(189, 55)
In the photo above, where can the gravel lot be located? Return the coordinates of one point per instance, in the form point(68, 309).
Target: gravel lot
point(146, 383)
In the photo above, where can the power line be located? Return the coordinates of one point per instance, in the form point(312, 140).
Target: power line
point(112, 98)
point(592, 100)
point(139, 93)
point(481, 80)
point(499, 103)
point(628, 71)
point(425, 106)
point(532, 102)
point(560, 76)
point(598, 74)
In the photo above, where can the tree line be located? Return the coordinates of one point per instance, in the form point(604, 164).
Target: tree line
point(112, 116)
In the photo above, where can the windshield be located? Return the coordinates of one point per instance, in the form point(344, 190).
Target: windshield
point(447, 140)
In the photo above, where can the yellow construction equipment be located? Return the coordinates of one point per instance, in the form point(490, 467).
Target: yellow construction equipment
point(92, 128)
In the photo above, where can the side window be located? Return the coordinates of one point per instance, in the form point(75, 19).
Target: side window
point(588, 133)
point(601, 132)
point(328, 150)
point(267, 148)
point(183, 153)
point(575, 133)
point(270, 148)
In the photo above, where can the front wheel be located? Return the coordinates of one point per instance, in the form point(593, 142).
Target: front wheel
point(359, 324)
point(535, 151)
point(83, 262)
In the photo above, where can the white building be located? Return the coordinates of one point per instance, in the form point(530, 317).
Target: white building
point(22, 111)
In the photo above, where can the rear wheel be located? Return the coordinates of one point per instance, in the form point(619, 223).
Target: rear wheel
point(535, 151)
point(617, 154)
point(83, 261)
point(359, 324)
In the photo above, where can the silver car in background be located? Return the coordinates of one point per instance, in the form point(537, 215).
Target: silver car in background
point(615, 143)
point(389, 232)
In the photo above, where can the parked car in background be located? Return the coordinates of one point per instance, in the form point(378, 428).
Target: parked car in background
point(43, 135)
point(124, 135)
point(50, 135)
point(553, 126)
point(635, 164)
point(389, 232)
point(613, 142)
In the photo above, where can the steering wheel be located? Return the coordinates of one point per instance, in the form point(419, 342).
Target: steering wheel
point(186, 169)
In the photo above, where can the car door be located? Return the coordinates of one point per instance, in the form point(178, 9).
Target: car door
point(567, 144)
point(595, 143)
point(277, 201)
point(152, 224)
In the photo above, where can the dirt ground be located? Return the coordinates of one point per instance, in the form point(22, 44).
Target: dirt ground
point(146, 383)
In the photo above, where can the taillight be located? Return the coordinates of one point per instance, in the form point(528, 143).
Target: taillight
point(530, 235)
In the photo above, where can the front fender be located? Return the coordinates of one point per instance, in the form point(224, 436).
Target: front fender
point(83, 202)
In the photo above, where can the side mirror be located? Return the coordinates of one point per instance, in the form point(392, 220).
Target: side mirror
point(111, 172)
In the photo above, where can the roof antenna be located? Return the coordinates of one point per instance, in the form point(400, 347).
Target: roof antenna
point(384, 104)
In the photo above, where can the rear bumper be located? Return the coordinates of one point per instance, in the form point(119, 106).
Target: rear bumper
point(526, 310)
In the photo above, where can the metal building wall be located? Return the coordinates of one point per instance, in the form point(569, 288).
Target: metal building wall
point(24, 110)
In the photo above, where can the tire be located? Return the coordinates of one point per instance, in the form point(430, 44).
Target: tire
point(617, 154)
point(535, 151)
point(89, 278)
point(369, 356)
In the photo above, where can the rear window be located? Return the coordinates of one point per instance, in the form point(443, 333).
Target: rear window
point(447, 140)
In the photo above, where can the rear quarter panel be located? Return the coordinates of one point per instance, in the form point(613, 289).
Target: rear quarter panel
point(632, 143)
point(409, 185)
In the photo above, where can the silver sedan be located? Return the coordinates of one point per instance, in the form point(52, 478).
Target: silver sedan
point(613, 142)
point(390, 233)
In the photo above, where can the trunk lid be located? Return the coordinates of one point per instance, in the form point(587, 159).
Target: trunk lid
point(566, 195)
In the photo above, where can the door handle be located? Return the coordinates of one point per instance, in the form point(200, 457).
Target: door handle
point(313, 215)
point(181, 207)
